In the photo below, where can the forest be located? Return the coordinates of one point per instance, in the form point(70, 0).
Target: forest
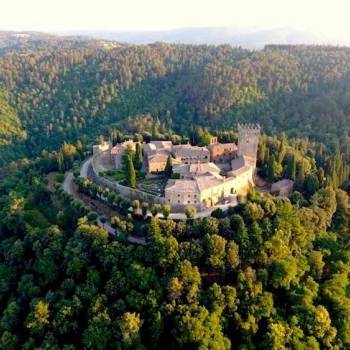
point(78, 90)
point(270, 273)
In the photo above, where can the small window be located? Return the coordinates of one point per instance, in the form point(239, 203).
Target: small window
point(178, 202)
point(189, 202)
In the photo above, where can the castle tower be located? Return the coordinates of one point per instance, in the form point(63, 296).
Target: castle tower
point(248, 140)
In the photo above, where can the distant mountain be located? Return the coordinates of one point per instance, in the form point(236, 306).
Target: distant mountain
point(246, 38)
point(11, 41)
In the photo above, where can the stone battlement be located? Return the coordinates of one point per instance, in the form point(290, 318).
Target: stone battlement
point(249, 127)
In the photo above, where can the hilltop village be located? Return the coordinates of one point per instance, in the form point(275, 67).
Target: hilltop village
point(202, 177)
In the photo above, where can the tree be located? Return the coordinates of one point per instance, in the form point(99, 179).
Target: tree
point(135, 205)
point(232, 255)
point(311, 184)
point(215, 251)
point(155, 209)
point(103, 220)
point(130, 325)
point(98, 333)
point(169, 165)
point(190, 212)
point(291, 167)
point(8, 341)
point(138, 159)
point(92, 216)
point(300, 176)
point(196, 327)
point(166, 211)
point(39, 317)
point(144, 209)
point(130, 172)
point(271, 169)
point(61, 218)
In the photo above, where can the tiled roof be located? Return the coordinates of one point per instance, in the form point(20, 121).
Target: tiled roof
point(231, 146)
point(182, 186)
point(190, 151)
point(196, 169)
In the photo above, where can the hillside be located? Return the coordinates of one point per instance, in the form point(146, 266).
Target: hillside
point(79, 92)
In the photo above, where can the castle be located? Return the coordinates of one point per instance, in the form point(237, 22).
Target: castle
point(202, 176)
point(203, 185)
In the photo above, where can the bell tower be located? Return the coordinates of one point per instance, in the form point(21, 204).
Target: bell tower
point(248, 140)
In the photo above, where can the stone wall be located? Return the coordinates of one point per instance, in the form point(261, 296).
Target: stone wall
point(128, 192)
point(133, 193)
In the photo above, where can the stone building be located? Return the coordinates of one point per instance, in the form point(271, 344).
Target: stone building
point(248, 141)
point(201, 182)
point(119, 150)
point(186, 171)
point(102, 147)
point(202, 185)
point(157, 162)
point(189, 154)
point(221, 152)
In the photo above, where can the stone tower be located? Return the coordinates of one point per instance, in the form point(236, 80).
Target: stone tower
point(248, 140)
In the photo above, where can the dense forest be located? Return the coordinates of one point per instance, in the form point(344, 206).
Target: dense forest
point(270, 273)
point(82, 88)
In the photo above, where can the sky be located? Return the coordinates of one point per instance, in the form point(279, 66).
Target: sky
point(321, 16)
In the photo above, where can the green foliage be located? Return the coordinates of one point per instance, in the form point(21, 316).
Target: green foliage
point(130, 173)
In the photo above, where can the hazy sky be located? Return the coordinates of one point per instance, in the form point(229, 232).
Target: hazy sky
point(327, 16)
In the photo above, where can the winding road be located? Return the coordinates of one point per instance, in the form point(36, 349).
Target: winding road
point(68, 186)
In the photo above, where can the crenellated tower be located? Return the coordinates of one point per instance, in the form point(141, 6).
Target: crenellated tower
point(248, 140)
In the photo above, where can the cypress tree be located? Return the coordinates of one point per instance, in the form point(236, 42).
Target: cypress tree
point(130, 172)
point(138, 157)
point(291, 168)
point(169, 165)
point(271, 169)
point(300, 176)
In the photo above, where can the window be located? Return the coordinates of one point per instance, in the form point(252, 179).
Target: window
point(189, 202)
point(189, 196)
point(178, 202)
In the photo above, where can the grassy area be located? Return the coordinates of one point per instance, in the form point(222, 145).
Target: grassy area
point(120, 175)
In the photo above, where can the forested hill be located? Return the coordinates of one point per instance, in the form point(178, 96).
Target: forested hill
point(65, 93)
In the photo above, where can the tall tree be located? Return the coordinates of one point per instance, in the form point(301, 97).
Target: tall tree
point(130, 172)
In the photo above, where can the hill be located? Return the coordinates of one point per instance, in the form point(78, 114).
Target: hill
point(69, 93)
point(249, 38)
